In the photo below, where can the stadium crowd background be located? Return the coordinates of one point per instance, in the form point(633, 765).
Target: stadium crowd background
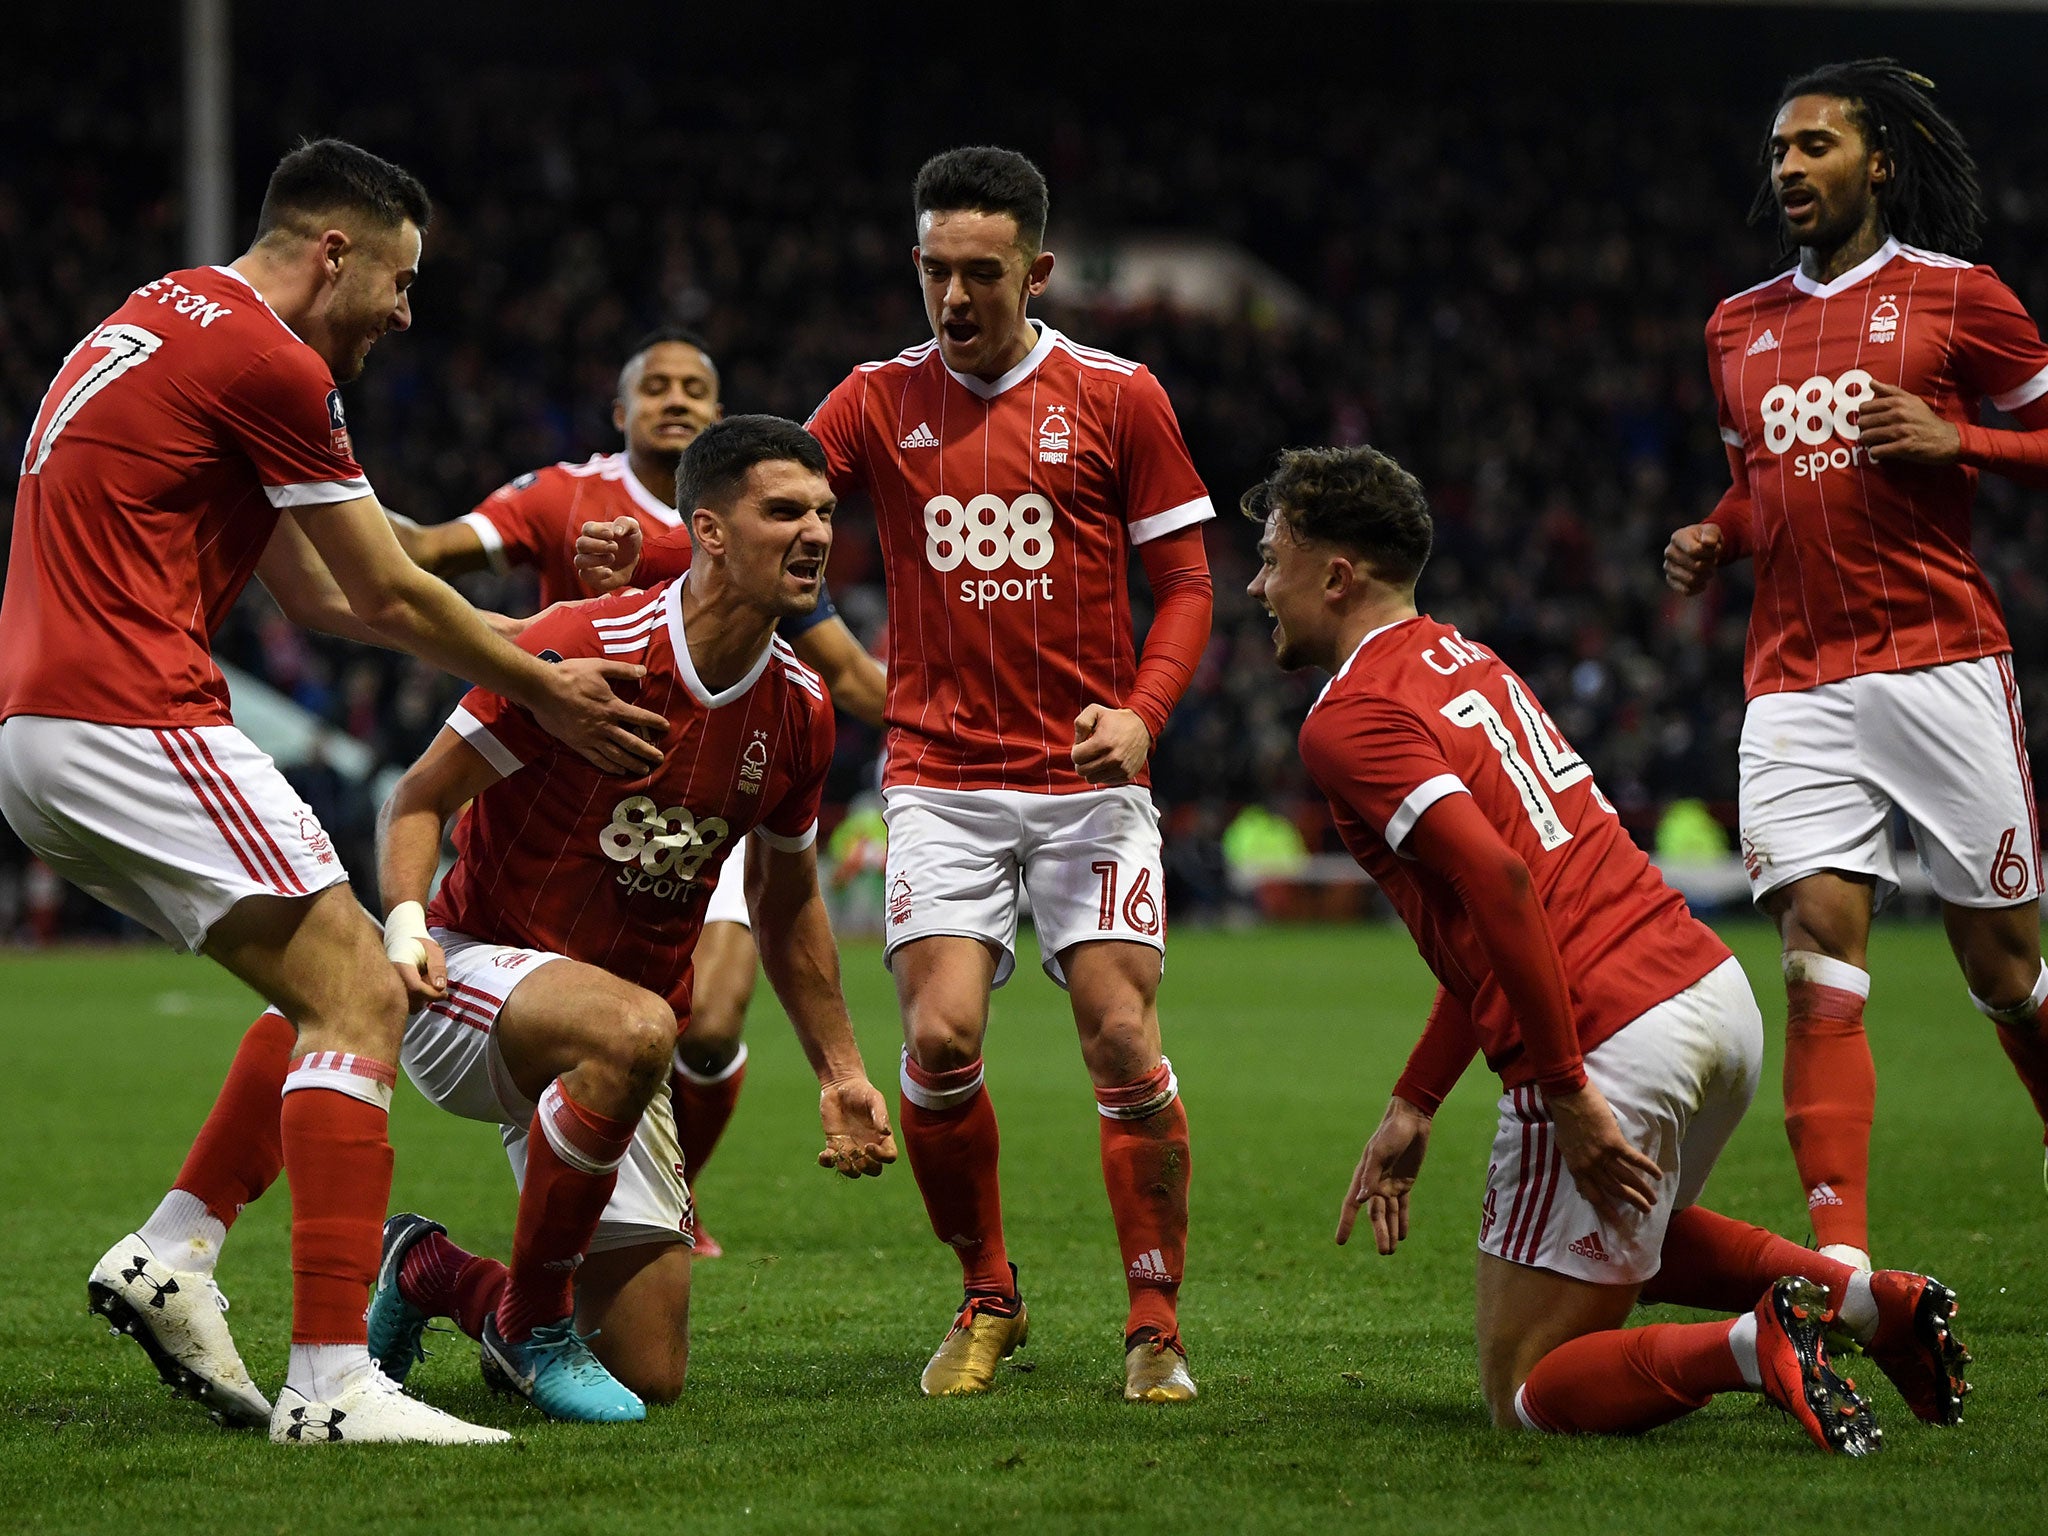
point(1510, 233)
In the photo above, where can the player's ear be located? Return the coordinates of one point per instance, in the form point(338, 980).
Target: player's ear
point(708, 531)
point(1340, 578)
point(618, 416)
point(333, 244)
point(1038, 274)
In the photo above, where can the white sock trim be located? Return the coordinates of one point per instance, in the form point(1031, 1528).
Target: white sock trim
point(2020, 1015)
point(1858, 1307)
point(1825, 971)
point(322, 1372)
point(712, 1079)
point(1522, 1410)
point(554, 1107)
point(1742, 1343)
point(184, 1234)
point(935, 1098)
point(341, 1072)
point(1151, 1106)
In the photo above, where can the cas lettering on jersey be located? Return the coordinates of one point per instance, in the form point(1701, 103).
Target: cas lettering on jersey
point(662, 849)
point(1009, 542)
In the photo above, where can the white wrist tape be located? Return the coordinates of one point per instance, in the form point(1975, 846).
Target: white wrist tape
point(405, 934)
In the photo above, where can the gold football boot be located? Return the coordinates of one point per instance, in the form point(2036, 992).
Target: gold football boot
point(1156, 1369)
point(987, 1332)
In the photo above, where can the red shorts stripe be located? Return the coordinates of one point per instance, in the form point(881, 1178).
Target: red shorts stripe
point(1520, 1100)
point(2017, 720)
point(297, 886)
point(270, 874)
point(468, 1021)
point(1553, 1174)
point(165, 740)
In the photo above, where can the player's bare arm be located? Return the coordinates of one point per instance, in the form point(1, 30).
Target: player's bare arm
point(305, 591)
point(423, 615)
point(1691, 558)
point(410, 829)
point(1387, 1171)
point(802, 961)
point(1454, 839)
point(446, 549)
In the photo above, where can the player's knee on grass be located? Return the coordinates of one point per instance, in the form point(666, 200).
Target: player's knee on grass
point(636, 1304)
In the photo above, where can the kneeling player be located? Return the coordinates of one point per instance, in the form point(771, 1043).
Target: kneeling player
point(1624, 1032)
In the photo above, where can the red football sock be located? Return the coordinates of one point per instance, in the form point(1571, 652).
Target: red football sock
point(443, 1281)
point(1626, 1380)
point(704, 1107)
point(949, 1130)
point(333, 1122)
point(2023, 1034)
point(1719, 1264)
point(1830, 1094)
point(239, 1151)
point(1145, 1168)
point(572, 1165)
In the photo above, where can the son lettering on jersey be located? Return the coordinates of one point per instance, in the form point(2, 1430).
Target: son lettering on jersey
point(183, 301)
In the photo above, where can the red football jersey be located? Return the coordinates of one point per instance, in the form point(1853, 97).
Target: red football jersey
point(1862, 567)
point(533, 521)
point(1420, 712)
point(1006, 515)
point(154, 473)
point(616, 872)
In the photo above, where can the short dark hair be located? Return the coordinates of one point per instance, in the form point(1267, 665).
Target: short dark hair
point(1356, 498)
point(327, 176)
point(985, 179)
point(715, 464)
point(663, 335)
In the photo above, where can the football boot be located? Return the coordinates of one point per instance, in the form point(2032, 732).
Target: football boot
point(553, 1369)
point(1797, 1375)
point(396, 1325)
point(986, 1332)
point(1915, 1346)
point(371, 1409)
point(176, 1316)
point(1156, 1368)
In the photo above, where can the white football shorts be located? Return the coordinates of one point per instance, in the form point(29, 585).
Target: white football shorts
point(452, 1057)
point(1823, 768)
point(959, 861)
point(1679, 1080)
point(728, 902)
point(172, 826)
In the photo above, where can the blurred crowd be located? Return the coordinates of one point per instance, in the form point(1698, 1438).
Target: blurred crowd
point(1506, 290)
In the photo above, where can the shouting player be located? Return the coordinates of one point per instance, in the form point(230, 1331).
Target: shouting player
point(1012, 471)
point(551, 971)
point(1879, 670)
point(1624, 1033)
point(171, 440)
point(668, 392)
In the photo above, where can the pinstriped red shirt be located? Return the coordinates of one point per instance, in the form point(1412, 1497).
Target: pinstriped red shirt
point(1007, 513)
point(1862, 567)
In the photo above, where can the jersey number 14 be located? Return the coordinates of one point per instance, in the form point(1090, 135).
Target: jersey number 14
point(1555, 766)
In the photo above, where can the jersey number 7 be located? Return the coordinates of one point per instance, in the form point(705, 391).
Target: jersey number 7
point(125, 346)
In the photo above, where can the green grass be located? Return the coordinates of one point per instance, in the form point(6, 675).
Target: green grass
point(1337, 1388)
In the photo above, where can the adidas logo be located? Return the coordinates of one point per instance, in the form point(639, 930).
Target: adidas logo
point(922, 436)
point(1588, 1247)
point(1150, 1266)
point(1764, 343)
point(1822, 1194)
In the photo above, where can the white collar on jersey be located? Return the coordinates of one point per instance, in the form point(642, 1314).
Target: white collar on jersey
point(1362, 644)
point(643, 498)
point(231, 272)
point(1048, 338)
point(687, 667)
point(1850, 278)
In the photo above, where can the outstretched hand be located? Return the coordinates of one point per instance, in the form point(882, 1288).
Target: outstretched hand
point(603, 729)
point(1386, 1171)
point(607, 553)
point(857, 1136)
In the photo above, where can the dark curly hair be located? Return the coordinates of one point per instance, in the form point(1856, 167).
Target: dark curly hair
point(1356, 498)
point(1933, 199)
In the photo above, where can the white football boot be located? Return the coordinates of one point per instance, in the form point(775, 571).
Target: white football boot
point(371, 1408)
point(175, 1315)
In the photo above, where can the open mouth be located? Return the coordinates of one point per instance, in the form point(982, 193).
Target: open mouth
point(1797, 203)
point(807, 571)
point(960, 332)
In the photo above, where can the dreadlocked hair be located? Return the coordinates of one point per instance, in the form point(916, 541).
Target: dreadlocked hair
point(1933, 199)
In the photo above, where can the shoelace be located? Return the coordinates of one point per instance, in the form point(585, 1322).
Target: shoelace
point(974, 1306)
point(1161, 1342)
point(571, 1348)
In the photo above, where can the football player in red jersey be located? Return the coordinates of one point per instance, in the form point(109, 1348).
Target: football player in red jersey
point(554, 966)
point(1624, 1033)
point(668, 392)
point(1012, 471)
point(170, 442)
point(1880, 673)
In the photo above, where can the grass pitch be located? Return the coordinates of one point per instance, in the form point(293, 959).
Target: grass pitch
point(1337, 1388)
